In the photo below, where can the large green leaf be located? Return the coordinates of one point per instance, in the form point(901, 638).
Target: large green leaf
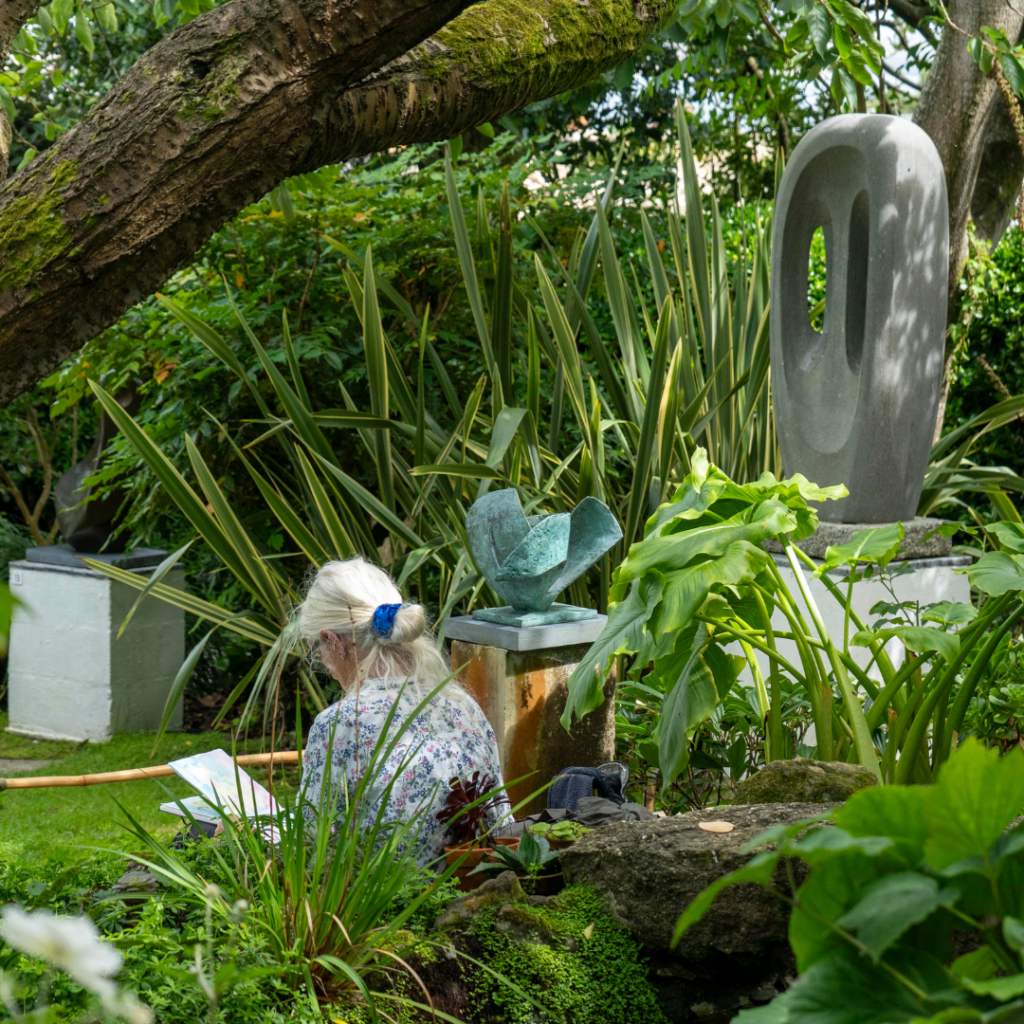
point(622, 634)
point(691, 699)
point(997, 572)
point(919, 639)
point(833, 888)
point(977, 795)
point(686, 589)
point(675, 551)
point(877, 546)
point(850, 991)
point(894, 811)
point(892, 905)
point(1011, 535)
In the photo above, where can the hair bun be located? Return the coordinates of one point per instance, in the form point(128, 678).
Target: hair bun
point(410, 623)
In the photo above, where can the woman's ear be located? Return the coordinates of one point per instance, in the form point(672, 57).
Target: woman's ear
point(339, 646)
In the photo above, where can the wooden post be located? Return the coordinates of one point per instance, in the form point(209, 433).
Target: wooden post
point(523, 695)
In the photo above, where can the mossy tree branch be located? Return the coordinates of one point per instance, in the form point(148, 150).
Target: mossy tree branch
point(224, 108)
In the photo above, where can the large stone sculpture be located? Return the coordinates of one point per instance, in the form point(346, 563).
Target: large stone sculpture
point(856, 404)
point(529, 561)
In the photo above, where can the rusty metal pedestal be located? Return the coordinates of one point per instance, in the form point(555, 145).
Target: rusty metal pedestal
point(519, 676)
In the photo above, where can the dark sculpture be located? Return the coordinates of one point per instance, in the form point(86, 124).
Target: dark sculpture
point(89, 528)
point(856, 404)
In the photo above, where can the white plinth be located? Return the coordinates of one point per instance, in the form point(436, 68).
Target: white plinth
point(70, 677)
point(932, 580)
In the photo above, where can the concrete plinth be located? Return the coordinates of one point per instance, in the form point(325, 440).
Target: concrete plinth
point(70, 677)
point(932, 580)
point(523, 692)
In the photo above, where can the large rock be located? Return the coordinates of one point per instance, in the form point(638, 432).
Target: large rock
point(802, 781)
point(650, 871)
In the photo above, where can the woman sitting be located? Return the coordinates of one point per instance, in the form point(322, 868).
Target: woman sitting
point(379, 650)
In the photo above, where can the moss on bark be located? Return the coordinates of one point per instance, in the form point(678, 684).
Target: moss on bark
point(32, 229)
point(502, 38)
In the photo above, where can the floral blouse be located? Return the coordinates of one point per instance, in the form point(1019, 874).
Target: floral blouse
point(453, 738)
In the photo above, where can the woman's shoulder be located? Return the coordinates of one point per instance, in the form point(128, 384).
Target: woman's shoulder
point(371, 698)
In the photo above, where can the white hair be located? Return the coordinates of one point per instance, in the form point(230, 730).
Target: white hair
point(343, 597)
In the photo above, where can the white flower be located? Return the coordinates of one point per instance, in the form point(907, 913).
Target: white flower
point(74, 945)
point(71, 943)
point(127, 1006)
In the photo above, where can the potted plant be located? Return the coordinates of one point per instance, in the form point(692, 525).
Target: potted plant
point(559, 834)
point(465, 815)
point(532, 861)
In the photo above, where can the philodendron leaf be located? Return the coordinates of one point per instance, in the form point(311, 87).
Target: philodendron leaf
point(687, 588)
point(1011, 535)
point(877, 546)
point(675, 551)
point(977, 795)
point(894, 904)
point(691, 698)
point(622, 634)
point(919, 639)
point(794, 493)
point(997, 573)
point(953, 613)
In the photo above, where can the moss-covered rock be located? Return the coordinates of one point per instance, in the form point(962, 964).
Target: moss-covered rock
point(803, 781)
point(576, 963)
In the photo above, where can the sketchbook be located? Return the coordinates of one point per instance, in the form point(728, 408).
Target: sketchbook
point(196, 806)
point(214, 775)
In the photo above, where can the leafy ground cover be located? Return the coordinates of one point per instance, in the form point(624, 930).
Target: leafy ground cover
point(56, 824)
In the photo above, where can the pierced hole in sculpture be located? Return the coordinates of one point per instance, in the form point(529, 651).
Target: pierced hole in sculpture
point(857, 279)
point(817, 279)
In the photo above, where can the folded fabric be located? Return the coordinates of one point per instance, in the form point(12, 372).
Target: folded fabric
point(592, 812)
point(573, 784)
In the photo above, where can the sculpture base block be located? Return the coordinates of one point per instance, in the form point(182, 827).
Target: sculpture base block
point(70, 675)
point(524, 638)
point(523, 695)
point(508, 616)
point(65, 554)
point(916, 540)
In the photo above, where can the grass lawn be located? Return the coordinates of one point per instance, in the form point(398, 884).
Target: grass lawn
point(38, 825)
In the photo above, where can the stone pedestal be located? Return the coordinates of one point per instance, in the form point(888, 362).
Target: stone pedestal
point(519, 677)
point(70, 677)
point(932, 580)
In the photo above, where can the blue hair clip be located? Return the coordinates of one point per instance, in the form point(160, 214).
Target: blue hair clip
point(384, 619)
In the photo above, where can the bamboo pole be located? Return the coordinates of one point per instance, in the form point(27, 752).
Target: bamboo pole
point(130, 774)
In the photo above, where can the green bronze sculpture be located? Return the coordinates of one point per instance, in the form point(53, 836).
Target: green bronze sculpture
point(530, 560)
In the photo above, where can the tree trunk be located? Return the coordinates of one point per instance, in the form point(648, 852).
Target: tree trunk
point(954, 108)
point(224, 108)
point(999, 176)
